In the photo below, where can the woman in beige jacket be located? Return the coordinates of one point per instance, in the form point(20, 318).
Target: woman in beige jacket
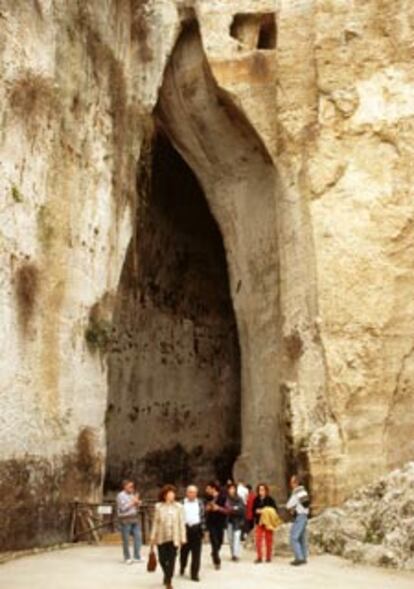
point(168, 531)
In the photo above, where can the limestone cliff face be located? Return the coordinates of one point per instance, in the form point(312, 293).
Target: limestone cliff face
point(296, 117)
point(358, 181)
point(76, 81)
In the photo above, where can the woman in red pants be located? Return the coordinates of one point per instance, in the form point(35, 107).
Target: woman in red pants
point(263, 535)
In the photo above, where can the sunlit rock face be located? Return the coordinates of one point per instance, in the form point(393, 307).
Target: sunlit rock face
point(294, 121)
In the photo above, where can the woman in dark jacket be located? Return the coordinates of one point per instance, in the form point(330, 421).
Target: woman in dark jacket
point(216, 517)
point(263, 499)
point(235, 521)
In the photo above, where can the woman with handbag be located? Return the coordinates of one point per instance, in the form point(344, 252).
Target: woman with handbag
point(168, 531)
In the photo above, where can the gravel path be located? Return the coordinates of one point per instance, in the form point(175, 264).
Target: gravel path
point(101, 568)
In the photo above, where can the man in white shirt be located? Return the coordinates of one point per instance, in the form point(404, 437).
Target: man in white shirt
point(298, 505)
point(242, 491)
point(194, 521)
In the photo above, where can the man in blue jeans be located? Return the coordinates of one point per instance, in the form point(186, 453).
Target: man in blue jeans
point(298, 505)
point(127, 503)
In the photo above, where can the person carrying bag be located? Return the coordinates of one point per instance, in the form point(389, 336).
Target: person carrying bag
point(168, 531)
point(152, 561)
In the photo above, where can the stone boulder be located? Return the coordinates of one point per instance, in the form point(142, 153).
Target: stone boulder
point(375, 526)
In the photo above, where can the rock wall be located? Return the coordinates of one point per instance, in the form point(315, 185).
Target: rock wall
point(358, 145)
point(73, 105)
point(300, 134)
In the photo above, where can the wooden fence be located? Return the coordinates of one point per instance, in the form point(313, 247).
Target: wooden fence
point(90, 521)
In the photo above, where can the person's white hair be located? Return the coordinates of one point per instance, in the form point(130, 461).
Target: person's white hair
point(192, 488)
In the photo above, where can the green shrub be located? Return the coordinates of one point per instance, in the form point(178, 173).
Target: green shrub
point(98, 334)
point(16, 194)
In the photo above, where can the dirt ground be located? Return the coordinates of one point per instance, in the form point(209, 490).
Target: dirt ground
point(102, 568)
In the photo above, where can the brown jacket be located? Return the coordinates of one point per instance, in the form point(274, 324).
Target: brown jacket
point(159, 532)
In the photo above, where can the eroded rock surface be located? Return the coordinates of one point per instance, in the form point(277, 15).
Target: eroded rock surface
point(297, 117)
point(375, 526)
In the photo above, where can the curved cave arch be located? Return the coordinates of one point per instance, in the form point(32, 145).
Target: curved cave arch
point(230, 166)
point(242, 187)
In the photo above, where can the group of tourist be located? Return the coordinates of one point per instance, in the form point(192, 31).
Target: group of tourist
point(178, 527)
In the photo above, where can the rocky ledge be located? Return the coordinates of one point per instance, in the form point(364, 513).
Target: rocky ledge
point(375, 526)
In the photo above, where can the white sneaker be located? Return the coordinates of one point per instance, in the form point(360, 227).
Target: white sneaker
point(137, 560)
point(129, 561)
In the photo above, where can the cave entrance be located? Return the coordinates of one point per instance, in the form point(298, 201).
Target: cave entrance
point(174, 370)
